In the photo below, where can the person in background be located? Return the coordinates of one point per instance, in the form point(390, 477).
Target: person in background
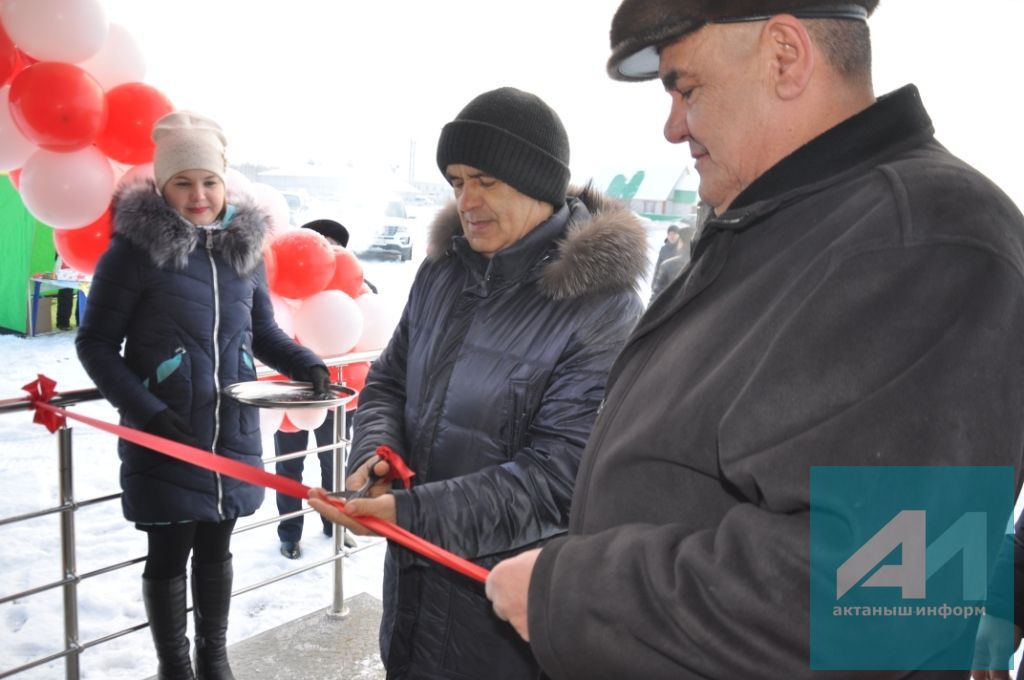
point(669, 269)
point(492, 380)
point(669, 249)
point(856, 299)
point(182, 286)
point(999, 632)
point(65, 299)
point(289, 531)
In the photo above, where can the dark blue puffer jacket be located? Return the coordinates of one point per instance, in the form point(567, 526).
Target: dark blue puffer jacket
point(489, 388)
point(192, 308)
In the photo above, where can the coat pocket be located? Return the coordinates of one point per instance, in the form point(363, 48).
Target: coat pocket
point(171, 380)
point(248, 416)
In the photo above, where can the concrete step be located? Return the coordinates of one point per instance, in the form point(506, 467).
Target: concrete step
point(318, 646)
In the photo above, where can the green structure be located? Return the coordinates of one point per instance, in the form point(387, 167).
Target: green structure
point(26, 245)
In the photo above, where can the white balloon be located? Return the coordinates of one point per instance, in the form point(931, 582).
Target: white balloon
point(15, 148)
point(307, 418)
point(274, 204)
point(56, 30)
point(119, 60)
point(283, 314)
point(271, 419)
point(239, 188)
point(328, 322)
point(136, 173)
point(67, 190)
point(379, 321)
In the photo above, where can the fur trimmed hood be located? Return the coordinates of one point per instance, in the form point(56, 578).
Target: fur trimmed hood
point(143, 218)
point(605, 247)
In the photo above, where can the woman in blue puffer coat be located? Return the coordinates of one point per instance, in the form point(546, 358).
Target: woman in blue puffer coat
point(182, 285)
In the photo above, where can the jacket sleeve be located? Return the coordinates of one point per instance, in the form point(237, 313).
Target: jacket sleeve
point(380, 417)
point(505, 508)
point(269, 343)
point(906, 356)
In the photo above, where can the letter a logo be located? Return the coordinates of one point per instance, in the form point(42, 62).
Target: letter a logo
point(906, 529)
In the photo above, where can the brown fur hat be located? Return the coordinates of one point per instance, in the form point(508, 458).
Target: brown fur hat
point(641, 27)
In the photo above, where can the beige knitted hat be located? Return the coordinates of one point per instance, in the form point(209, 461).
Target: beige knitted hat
point(187, 141)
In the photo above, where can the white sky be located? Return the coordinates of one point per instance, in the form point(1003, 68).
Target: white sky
point(339, 81)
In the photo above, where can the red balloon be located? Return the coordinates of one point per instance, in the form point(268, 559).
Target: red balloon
point(132, 108)
point(286, 425)
point(58, 106)
point(354, 376)
point(348, 273)
point(81, 248)
point(15, 177)
point(304, 263)
point(364, 289)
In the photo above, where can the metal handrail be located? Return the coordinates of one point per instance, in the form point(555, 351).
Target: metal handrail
point(68, 506)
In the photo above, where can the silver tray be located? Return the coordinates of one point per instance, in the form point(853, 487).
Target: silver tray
point(283, 394)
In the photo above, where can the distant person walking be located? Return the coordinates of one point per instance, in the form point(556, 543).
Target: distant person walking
point(678, 257)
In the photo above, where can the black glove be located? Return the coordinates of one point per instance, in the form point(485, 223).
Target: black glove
point(320, 378)
point(170, 425)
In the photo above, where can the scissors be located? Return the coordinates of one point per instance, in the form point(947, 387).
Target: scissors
point(398, 470)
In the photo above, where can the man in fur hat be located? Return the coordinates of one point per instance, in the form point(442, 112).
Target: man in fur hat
point(856, 299)
point(491, 383)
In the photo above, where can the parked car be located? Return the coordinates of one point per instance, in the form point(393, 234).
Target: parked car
point(393, 236)
point(377, 225)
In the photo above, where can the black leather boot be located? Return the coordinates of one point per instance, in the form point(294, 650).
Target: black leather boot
point(167, 610)
point(211, 600)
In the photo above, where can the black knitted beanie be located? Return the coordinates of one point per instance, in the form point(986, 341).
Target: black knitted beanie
point(513, 136)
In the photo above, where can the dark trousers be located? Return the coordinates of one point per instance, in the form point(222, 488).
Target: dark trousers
point(290, 442)
point(170, 545)
point(65, 303)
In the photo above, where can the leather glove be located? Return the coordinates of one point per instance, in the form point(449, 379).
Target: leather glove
point(170, 425)
point(320, 378)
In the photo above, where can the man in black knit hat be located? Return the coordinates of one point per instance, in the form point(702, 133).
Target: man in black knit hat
point(493, 378)
point(843, 348)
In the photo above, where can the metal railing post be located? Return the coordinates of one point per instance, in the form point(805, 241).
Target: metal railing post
point(338, 607)
point(67, 542)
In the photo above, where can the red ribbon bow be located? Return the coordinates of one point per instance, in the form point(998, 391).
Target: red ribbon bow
point(42, 390)
point(398, 469)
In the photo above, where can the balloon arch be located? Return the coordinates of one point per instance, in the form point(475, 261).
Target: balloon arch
point(75, 122)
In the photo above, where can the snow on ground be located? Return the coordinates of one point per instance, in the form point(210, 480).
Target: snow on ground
point(32, 627)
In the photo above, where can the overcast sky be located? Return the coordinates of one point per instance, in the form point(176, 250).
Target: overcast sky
point(336, 80)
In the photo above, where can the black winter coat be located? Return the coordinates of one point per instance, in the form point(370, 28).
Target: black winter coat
point(860, 304)
point(191, 307)
point(489, 388)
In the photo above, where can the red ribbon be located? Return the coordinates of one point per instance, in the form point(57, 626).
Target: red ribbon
point(397, 469)
point(53, 417)
point(40, 391)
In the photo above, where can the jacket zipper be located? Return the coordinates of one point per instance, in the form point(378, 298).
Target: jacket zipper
point(216, 369)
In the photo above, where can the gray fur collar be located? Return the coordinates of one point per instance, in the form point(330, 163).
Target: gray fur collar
point(143, 218)
point(605, 247)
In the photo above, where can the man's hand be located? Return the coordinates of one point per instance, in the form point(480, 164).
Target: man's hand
point(508, 588)
point(991, 650)
point(382, 507)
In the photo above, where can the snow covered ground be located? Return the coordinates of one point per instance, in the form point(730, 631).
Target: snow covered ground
point(32, 627)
